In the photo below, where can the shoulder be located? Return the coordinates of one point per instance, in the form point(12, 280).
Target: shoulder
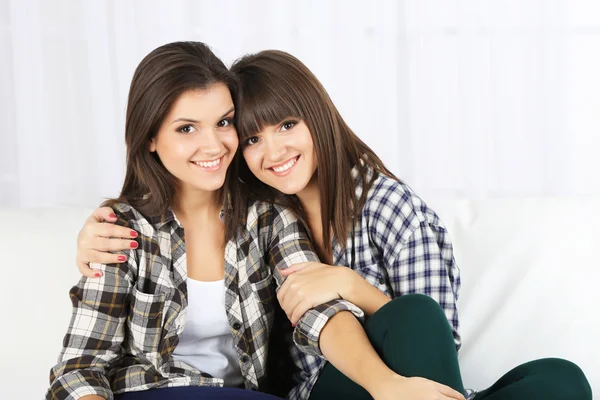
point(130, 217)
point(264, 213)
point(126, 214)
point(396, 205)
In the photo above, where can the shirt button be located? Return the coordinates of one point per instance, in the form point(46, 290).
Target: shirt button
point(237, 326)
point(381, 281)
point(245, 359)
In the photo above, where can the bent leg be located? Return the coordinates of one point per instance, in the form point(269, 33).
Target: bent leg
point(548, 379)
point(413, 337)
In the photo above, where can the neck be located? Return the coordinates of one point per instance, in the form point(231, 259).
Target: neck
point(310, 198)
point(196, 203)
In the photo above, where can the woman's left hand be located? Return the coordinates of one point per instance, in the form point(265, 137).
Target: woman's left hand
point(310, 284)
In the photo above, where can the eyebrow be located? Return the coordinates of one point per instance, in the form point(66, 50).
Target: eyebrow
point(194, 121)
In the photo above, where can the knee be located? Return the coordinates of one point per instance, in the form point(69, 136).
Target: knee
point(567, 378)
point(416, 309)
point(416, 305)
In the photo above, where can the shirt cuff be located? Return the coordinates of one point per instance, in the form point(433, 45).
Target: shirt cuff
point(76, 384)
point(308, 330)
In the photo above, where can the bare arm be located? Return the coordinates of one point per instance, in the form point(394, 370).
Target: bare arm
point(364, 366)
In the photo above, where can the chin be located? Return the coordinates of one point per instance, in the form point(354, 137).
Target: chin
point(209, 186)
point(290, 189)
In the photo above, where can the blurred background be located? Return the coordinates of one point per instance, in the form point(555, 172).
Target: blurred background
point(461, 98)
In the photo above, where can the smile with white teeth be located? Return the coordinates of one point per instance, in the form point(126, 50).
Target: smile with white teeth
point(208, 164)
point(286, 166)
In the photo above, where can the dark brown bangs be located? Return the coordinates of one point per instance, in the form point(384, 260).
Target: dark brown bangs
point(262, 104)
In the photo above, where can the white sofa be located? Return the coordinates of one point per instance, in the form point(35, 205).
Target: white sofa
point(530, 272)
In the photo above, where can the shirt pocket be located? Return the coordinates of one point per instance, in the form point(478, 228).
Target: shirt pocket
point(263, 293)
point(145, 320)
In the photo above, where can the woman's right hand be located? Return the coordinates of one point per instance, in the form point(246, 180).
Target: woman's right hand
point(401, 388)
point(98, 236)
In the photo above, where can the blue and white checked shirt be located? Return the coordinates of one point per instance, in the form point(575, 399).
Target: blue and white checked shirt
point(400, 247)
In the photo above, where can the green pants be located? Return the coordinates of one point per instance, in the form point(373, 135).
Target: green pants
point(414, 338)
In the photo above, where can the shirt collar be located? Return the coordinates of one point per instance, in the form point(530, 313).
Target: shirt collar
point(168, 217)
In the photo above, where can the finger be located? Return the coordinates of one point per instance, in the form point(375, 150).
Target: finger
point(451, 393)
point(104, 244)
point(290, 304)
point(108, 230)
point(287, 271)
point(102, 257)
point(85, 270)
point(283, 290)
point(104, 214)
point(299, 311)
point(294, 268)
point(286, 294)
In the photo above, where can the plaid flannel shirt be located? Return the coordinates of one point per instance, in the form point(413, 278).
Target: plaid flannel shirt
point(126, 324)
point(401, 247)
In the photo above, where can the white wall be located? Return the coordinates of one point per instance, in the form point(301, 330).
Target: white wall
point(461, 98)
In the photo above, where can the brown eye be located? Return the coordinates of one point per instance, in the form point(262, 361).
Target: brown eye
point(286, 126)
point(252, 140)
point(186, 129)
point(225, 122)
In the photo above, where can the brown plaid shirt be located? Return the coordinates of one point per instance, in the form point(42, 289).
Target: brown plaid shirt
point(126, 324)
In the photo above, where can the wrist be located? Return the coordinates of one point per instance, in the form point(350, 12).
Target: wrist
point(379, 382)
point(348, 281)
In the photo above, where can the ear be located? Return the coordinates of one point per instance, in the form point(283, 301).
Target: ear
point(152, 145)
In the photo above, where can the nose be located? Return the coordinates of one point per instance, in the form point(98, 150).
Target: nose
point(210, 143)
point(275, 150)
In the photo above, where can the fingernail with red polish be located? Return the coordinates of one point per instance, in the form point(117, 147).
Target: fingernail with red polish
point(98, 274)
point(122, 258)
point(112, 215)
point(133, 245)
point(133, 233)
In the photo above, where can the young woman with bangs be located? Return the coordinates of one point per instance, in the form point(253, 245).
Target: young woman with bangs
point(382, 248)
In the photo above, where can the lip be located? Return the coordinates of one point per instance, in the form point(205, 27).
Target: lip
point(286, 172)
point(210, 169)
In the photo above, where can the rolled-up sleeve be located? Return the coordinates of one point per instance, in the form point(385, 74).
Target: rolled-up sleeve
point(290, 245)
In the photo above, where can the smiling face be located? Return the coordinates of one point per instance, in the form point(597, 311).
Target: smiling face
point(282, 155)
point(197, 139)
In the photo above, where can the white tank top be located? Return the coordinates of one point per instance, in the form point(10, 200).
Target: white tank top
point(206, 342)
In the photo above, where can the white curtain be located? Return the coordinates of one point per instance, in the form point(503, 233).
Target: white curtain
point(463, 98)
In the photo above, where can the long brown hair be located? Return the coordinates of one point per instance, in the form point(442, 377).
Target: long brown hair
point(160, 78)
point(275, 85)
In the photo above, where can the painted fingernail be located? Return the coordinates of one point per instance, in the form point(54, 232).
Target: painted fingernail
point(98, 274)
point(133, 233)
point(112, 215)
point(122, 258)
point(133, 245)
